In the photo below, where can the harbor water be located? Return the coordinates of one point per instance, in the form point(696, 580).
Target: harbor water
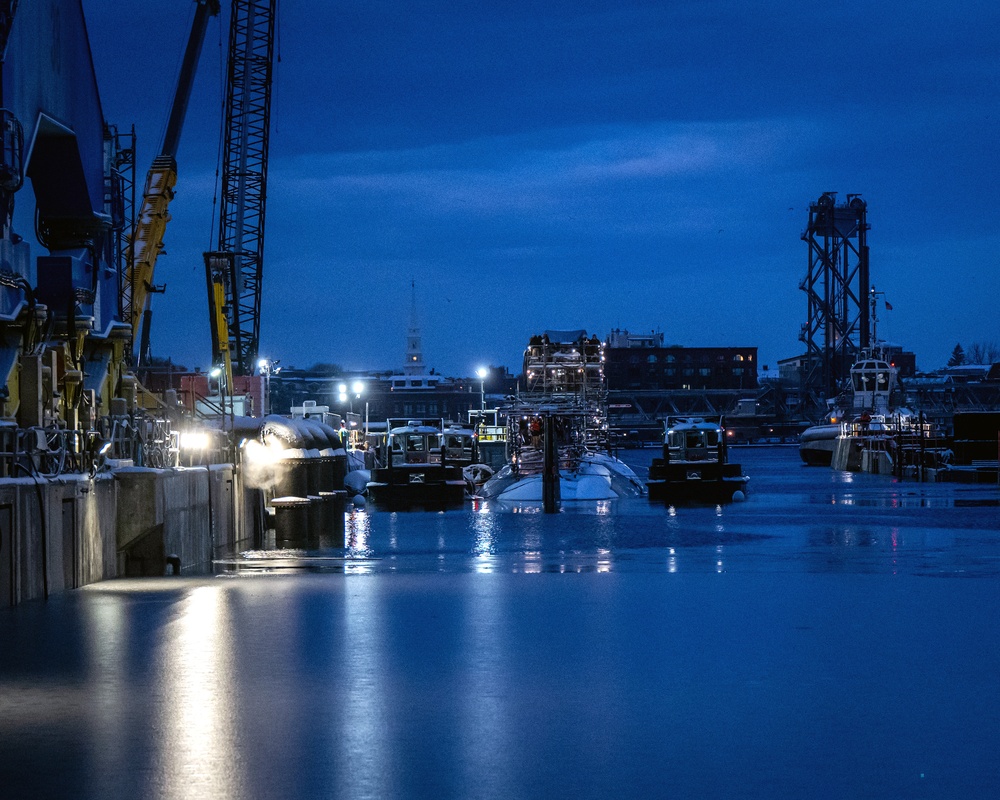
point(835, 635)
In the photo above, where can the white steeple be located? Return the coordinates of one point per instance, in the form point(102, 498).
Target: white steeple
point(414, 357)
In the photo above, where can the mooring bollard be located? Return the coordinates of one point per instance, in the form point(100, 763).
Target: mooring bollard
point(291, 521)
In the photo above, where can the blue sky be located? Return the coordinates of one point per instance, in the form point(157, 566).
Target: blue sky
point(581, 164)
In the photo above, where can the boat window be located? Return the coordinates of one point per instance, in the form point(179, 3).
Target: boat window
point(882, 381)
point(693, 439)
point(397, 444)
point(713, 438)
point(414, 443)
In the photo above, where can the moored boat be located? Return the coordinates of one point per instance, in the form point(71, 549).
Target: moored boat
point(695, 467)
point(816, 443)
point(421, 469)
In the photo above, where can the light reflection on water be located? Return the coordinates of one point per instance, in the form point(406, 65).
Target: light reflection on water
point(199, 725)
point(499, 685)
point(810, 517)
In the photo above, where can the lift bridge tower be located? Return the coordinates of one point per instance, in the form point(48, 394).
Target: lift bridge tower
point(836, 285)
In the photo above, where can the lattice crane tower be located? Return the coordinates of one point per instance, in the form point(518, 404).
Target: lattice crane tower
point(244, 178)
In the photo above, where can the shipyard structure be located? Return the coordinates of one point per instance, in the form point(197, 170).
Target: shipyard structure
point(96, 478)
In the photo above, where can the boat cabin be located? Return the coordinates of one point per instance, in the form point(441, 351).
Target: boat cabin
point(415, 442)
point(693, 439)
point(420, 441)
point(459, 444)
point(872, 381)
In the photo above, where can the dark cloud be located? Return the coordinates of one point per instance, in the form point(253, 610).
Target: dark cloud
point(564, 164)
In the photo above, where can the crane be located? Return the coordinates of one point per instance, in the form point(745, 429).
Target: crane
point(146, 241)
point(234, 272)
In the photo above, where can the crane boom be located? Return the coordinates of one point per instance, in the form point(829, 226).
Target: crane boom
point(146, 241)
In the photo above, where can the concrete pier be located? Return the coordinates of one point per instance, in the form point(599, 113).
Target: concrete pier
point(75, 530)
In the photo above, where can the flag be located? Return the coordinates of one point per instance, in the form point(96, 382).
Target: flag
point(888, 307)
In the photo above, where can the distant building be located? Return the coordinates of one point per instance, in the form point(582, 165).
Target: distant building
point(643, 362)
point(389, 395)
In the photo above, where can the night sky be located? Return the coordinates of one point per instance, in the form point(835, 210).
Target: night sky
point(598, 165)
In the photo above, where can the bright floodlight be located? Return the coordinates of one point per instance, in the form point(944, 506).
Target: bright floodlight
point(262, 364)
point(482, 372)
point(358, 387)
point(342, 388)
point(216, 372)
point(194, 440)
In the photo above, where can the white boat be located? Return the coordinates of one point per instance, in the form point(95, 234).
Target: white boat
point(565, 404)
point(867, 404)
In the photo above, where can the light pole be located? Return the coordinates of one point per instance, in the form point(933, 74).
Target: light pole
point(357, 389)
point(266, 368)
point(482, 372)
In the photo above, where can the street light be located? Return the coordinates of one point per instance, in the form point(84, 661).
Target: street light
point(358, 388)
point(266, 369)
point(482, 372)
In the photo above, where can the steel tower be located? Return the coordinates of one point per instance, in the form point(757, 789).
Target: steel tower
point(244, 173)
point(836, 285)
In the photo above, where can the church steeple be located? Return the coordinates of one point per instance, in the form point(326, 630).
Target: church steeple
point(414, 356)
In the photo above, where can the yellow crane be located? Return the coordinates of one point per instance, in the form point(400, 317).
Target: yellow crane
point(146, 241)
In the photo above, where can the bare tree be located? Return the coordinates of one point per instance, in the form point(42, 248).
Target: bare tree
point(983, 353)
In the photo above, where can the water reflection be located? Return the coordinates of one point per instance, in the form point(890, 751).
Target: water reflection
point(363, 735)
point(783, 512)
point(197, 734)
point(485, 527)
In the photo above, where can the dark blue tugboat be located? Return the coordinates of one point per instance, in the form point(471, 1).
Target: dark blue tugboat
point(421, 469)
point(695, 466)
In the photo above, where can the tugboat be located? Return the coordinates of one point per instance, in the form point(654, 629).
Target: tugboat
point(422, 467)
point(563, 408)
point(860, 434)
point(695, 467)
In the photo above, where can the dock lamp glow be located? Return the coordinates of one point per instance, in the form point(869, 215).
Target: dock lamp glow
point(482, 372)
point(266, 367)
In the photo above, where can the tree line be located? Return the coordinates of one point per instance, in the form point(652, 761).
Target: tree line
point(978, 353)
